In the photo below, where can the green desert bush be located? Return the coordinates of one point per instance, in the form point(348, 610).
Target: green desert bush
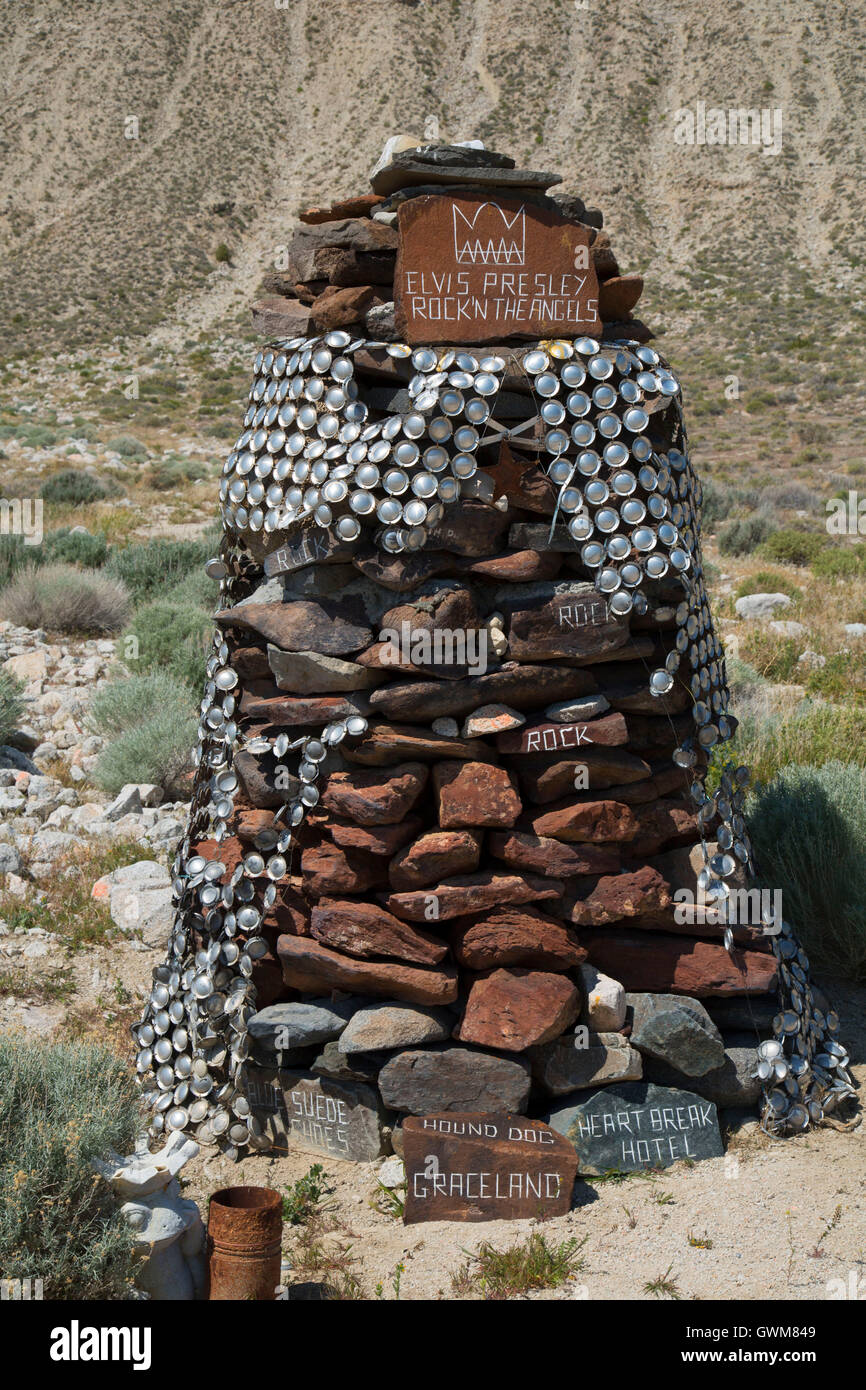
point(768, 582)
point(717, 504)
point(130, 700)
point(791, 546)
point(61, 1106)
point(808, 830)
point(73, 488)
point(127, 446)
point(840, 562)
point(76, 548)
point(167, 473)
point(156, 749)
point(156, 566)
point(62, 598)
point(792, 497)
point(173, 637)
point(11, 705)
point(742, 536)
point(812, 733)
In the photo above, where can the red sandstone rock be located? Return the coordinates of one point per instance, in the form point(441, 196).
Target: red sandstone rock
point(515, 936)
point(618, 295)
point(433, 857)
point(622, 895)
point(279, 316)
point(524, 687)
point(660, 964)
point(551, 857)
point(390, 743)
point(596, 822)
point(512, 1010)
point(543, 781)
point(360, 206)
point(517, 566)
point(314, 969)
point(470, 893)
point(334, 629)
point(375, 798)
point(377, 839)
point(288, 710)
point(335, 307)
point(574, 738)
point(328, 868)
point(664, 825)
point(475, 794)
point(365, 930)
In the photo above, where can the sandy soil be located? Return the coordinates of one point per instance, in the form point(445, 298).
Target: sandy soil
point(765, 1207)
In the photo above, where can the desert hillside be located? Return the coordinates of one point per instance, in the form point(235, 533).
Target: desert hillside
point(245, 109)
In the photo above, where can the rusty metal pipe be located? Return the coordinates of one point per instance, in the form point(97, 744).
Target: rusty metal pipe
point(244, 1232)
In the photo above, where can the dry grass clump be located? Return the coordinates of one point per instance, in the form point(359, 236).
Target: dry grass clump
point(61, 598)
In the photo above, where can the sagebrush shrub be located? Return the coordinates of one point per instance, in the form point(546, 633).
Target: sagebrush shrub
point(61, 598)
point(158, 750)
point(743, 536)
point(154, 566)
point(174, 637)
point(791, 546)
point(129, 701)
point(73, 487)
point(62, 1105)
point(808, 829)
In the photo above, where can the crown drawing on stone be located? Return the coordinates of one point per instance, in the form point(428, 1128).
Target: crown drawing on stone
point(491, 236)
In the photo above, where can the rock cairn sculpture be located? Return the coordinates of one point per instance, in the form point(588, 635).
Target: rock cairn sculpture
point(463, 695)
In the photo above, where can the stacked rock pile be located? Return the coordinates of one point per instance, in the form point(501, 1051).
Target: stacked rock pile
point(340, 262)
point(451, 846)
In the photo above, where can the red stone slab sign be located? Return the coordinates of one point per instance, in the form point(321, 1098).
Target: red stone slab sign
point(476, 270)
point(485, 1167)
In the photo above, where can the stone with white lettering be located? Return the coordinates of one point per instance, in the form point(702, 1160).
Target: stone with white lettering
point(314, 546)
point(485, 1167)
point(474, 270)
point(631, 1127)
point(318, 1114)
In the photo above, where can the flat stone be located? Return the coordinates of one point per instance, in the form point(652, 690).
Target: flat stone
point(388, 743)
point(485, 1168)
point(562, 1066)
point(618, 896)
point(328, 868)
point(524, 687)
point(466, 894)
point(312, 968)
point(377, 839)
point(475, 794)
point(364, 930)
point(328, 627)
point(293, 710)
point(282, 1027)
point(618, 295)
point(515, 936)
point(594, 822)
point(522, 566)
point(563, 620)
point(756, 606)
point(492, 719)
point(679, 964)
point(338, 308)
point(664, 825)
point(343, 1066)
point(674, 1029)
point(371, 798)
point(340, 1119)
point(576, 710)
point(605, 1007)
point(344, 266)
point(259, 781)
point(313, 545)
point(512, 1010)
point(128, 800)
point(552, 857)
point(427, 1081)
point(556, 737)
point(469, 528)
point(730, 1084)
point(632, 1127)
point(311, 673)
point(352, 233)
point(406, 171)
point(277, 316)
point(360, 206)
point(789, 628)
point(383, 1027)
point(434, 856)
point(595, 769)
